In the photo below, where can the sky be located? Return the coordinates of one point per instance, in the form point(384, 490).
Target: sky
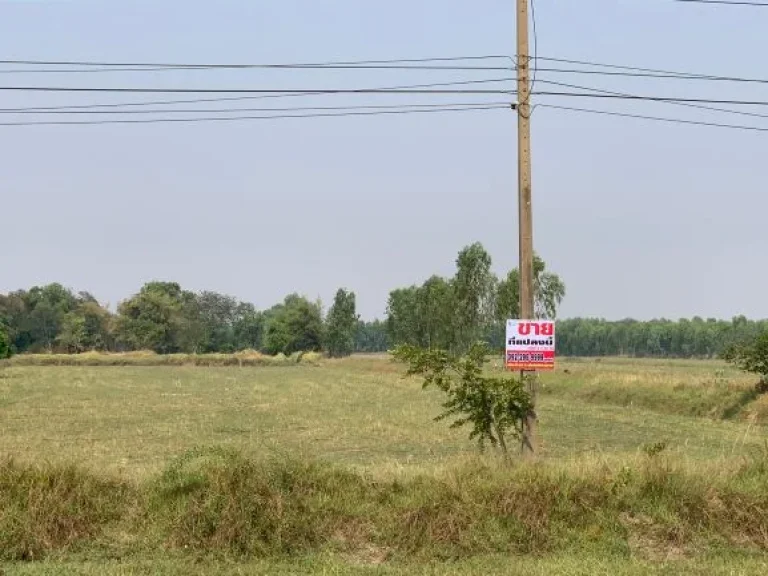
point(641, 219)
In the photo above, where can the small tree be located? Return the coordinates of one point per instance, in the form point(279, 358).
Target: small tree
point(751, 356)
point(341, 325)
point(495, 407)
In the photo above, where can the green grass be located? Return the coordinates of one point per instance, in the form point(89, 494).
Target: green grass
point(360, 479)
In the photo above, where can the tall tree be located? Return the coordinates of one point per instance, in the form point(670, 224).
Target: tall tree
point(473, 288)
point(296, 325)
point(341, 325)
point(402, 316)
point(549, 291)
point(435, 313)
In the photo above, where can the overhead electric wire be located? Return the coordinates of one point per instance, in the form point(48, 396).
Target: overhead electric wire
point(238, 98)
point(686, 104)
point(253, 118)
point(646, 98)
point(392, 64)
point(656, 118)
point(660, 75)
point(272, 109)
point(674, 74)
point(535, 49)
point(726, 2)
point(146, 90)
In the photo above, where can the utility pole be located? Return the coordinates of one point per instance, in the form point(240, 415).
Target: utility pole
point(524, 201)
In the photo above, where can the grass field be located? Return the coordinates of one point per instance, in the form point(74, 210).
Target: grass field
point(123, 425)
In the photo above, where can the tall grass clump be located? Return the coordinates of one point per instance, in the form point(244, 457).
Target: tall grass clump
point(149, 358)
point(218, 502)
point(50, 508)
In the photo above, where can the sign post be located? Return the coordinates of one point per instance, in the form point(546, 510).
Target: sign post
point(530, 345)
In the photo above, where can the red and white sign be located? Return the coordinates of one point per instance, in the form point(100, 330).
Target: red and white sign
point(530, 345)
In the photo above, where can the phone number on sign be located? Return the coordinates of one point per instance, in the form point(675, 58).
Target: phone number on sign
point(526, 358)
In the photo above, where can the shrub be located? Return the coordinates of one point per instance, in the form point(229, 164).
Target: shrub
point(495, 407)
point(751, 356)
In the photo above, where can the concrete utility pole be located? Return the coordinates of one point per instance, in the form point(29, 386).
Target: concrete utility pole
point(524, 199)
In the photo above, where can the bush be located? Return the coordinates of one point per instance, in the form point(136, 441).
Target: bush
point(751, 356)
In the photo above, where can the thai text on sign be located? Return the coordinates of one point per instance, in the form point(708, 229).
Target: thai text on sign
point(530, 345)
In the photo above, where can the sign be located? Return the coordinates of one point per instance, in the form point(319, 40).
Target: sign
point(530, 345)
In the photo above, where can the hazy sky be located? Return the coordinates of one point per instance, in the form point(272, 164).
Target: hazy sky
point(641, 219)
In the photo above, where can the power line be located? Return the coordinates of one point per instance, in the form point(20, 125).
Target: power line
point(686, 104)
point(136, 90)
point(396, 64)
point(671, 99)
point(726, 2)
point(253, 118)
point(661, 75)
point(656, 118)
point(535, 48)
point(371, 91)
point(662, 72)
point(239, 98)
point(273, 109)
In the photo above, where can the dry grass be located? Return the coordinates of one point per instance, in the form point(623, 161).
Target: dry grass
point(342, 464)
point(149, 358)
point(696, 388)
point(218, 502)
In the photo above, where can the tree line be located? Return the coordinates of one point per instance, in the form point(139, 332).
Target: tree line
point(167, 319)
point(694, 338)
point(441, 313)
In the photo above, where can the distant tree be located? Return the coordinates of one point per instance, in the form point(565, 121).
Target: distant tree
point(371, 337)
point(751, 356)
point(435, 312)
point(153, 318)
point(5, 343)
point(473, 289)
point(13, 314)
point(46, 307)
point(88, 327)
point(493, 406)
point(341, 325)
point(216, 315)
point(549, 291)
point(248, 327)
point(296, 325)
point(402, 316)
point(72, 337)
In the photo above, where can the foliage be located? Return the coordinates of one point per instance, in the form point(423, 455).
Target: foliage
point(751, 356)
point(695, 338)
point(473, 288)
point(5, 343)
point(296, 325)
point(371, 336)
point(341, 325)
point(152, 319)
point(451, 314)
point(495, 407)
